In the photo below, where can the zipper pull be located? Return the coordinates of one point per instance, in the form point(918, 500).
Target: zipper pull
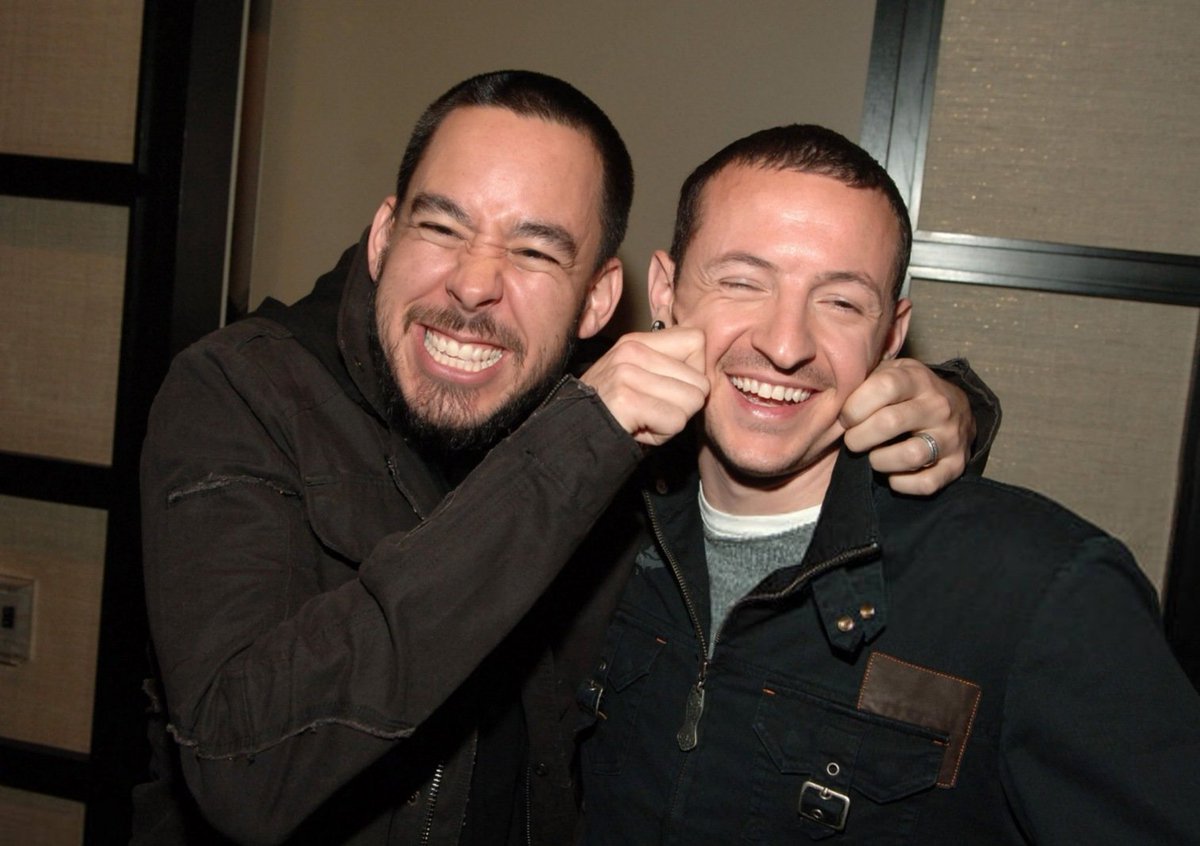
point(687, 738)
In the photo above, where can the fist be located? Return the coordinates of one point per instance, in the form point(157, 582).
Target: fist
point(652, 382)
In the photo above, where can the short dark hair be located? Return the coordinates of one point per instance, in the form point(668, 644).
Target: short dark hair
point(804, 148)
point(534, 94)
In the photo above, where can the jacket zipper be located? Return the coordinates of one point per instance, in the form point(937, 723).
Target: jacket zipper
point(687, 736)
point(812, 572)
point(528, 807)
point(434, 784)
point(546, 399)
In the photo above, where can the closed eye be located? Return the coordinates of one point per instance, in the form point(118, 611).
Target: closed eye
point(537, 255)
point(534, 260)
point(739, 284)
point(437, 233)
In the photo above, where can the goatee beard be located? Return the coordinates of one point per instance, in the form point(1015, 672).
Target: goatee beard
point(467, 441)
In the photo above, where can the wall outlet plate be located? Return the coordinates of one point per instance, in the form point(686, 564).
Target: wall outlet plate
point(16, 619)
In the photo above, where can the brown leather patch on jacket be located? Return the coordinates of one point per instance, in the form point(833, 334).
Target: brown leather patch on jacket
point(902, 691)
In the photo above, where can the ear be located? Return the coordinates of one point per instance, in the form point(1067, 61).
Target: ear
point(899, 328)
point(661, 287)
point(381, 235)
point(602, 297)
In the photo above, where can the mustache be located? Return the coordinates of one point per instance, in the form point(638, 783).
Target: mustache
point(482, 326)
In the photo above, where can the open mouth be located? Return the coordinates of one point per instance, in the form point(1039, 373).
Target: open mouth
point(470, 358)
point(766, 392)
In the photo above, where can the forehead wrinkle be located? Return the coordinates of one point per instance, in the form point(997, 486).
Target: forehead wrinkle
point(739, 257)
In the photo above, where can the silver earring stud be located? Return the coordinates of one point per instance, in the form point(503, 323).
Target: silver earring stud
point(656, 325)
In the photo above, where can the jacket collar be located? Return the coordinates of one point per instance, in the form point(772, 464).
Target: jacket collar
point(417, 477)
point(849, 591)
point(354, 329)
point(843, 564)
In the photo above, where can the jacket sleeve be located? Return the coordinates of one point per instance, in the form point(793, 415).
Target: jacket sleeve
point(985, 406)
point(1101, 734)
point(279, 690)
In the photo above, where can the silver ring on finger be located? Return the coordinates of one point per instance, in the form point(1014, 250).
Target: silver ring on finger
point(934, 452)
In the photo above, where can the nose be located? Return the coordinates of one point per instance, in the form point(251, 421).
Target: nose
point(784, 333)
point(478, 280)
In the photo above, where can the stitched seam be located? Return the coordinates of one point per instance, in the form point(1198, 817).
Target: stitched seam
point(966, 736)
point(912, 666)
point(215, 481)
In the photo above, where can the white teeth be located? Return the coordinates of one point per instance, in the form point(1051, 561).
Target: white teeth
point(469, 357)
point(768, 391)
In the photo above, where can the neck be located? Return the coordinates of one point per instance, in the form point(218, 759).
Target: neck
point(733, 493)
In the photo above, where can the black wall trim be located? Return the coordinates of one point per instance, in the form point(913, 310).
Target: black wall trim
point(40, 769)
point(52, 480)
point(1059, 268)
point(900, 84)
point(1181, 599)
point(68, 179)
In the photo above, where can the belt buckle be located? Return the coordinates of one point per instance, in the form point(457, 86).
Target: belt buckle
point(824, 805)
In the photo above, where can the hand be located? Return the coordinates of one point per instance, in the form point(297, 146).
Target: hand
point(652, 382)
point(904, 396)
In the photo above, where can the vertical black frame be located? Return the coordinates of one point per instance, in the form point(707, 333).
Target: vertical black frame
point(177, 192)
point(896, 118)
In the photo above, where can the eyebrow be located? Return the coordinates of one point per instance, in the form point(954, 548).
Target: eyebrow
point(552, 233)
point(739, 257)
point(424, 202)
point(857, 277)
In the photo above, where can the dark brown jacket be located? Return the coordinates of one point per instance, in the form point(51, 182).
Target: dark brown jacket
point(319, 600)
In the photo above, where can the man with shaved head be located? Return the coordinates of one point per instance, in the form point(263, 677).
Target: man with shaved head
point(802, 653)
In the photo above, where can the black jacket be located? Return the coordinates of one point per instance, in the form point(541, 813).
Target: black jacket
point(980, 666)
point(320, 601)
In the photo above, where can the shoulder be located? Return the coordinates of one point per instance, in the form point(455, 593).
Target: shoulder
point(257, 360)
point(984, 507)
point(1002, 534)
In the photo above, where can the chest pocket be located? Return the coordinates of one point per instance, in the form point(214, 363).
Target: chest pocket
point(611, 699)
point(825, 770)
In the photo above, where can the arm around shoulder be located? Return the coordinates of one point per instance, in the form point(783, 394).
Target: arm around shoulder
point(985, 408)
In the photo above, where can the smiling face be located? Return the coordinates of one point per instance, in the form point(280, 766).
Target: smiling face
point(488, 270)
point(789, 275)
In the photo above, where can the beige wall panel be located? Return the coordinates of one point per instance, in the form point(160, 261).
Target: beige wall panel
point(62, 284)
point(1094, 394)
point(68, 78)
point(346, 82)
point(1072, 121)
point(31, 819)
point(48, 701)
